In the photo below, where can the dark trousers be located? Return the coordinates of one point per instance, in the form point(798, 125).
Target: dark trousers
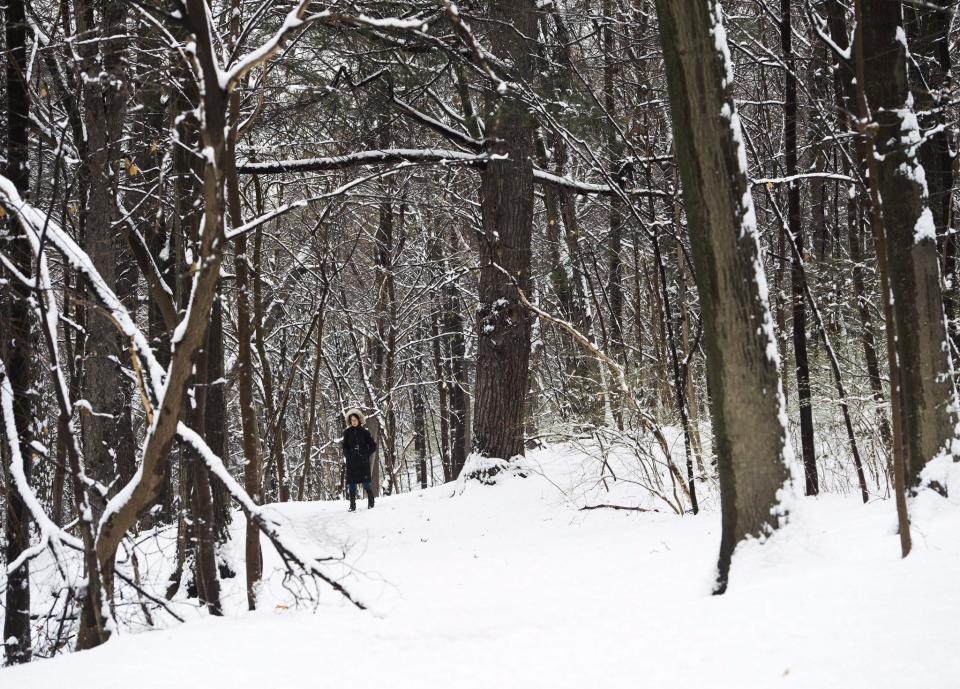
point(352, 489)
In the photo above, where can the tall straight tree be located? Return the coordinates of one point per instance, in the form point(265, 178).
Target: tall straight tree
point(249, 425)
point(506, 189)
point(925, 381)
point(16, 344)
point(102, 54)
point(747, 404)
point(458, 381)
point(795, 228)
point(928, 29)
point(616, 217)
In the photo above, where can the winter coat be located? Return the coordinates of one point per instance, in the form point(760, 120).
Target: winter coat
point(357, 447)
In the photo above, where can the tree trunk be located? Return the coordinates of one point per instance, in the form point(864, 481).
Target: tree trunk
point(441, 365)
point(201, 499)
point(928, 28)
point(373, 426)
point(104, 86)
point(616, 213)
point(868, 154)
point(303, 486)
point(245, 375)
point(679, 386)
point(215, 420)
point(856, 233)
point(746, 398)
point(267, 475)
point(811, 480)
point(457, 382)
point(689, 353)
point(16, 339)
point(506, 190)
point(924, 359)
point(420, 428)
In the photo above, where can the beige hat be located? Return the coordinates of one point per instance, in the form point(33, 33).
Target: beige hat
point(354, 412)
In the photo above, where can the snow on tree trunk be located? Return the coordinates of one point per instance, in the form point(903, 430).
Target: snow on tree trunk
point(747, 404)
point(921, 338)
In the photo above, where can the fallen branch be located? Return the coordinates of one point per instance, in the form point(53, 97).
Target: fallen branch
point(617, 507)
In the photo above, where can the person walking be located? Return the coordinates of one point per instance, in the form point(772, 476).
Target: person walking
point(358, 446)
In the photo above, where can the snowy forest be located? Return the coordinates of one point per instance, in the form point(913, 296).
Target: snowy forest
point(597, 279)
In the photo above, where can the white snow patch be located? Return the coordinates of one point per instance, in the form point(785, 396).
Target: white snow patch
point(925, 228)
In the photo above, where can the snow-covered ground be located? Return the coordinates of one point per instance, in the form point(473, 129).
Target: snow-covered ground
point(512, 585)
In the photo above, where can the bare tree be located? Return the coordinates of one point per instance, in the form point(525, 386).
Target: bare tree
point(503, 326)
point(16, 346)
point(747, 404)
point(924, 383)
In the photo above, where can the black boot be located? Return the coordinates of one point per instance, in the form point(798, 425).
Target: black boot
point(369, 500)
point(353, 503)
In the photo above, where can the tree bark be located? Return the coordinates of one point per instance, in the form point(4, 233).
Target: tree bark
point(928, 28)
point(245, 372)
point(679, 386)
point(202, 526)
point(457, 382)
point(215, 413)
point(16, 339)
point(616, 213)
point(303, 486)
point(441, 362)
point(420, 428)
point(795, 227)
point(104, 95)
point(925, 368)
point(506, 190)
point(747, 405)
point(869, 156)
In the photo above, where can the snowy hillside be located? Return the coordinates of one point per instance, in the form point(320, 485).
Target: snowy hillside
point(513, 585)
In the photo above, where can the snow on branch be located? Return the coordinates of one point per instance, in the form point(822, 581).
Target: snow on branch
point(374, 157)
point(303, 203)
point(432, 156)
point(428, 121)
point(266, 217)
point(819, 25)
point(481, 56)
point(51, 535)
point(570, 184)
point(36, 224)
point(804, 175)
point(361, 20)
point(295, 21)
point(231, 77)
point(160, 291)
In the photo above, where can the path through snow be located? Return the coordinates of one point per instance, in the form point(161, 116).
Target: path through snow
point(512, 586)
